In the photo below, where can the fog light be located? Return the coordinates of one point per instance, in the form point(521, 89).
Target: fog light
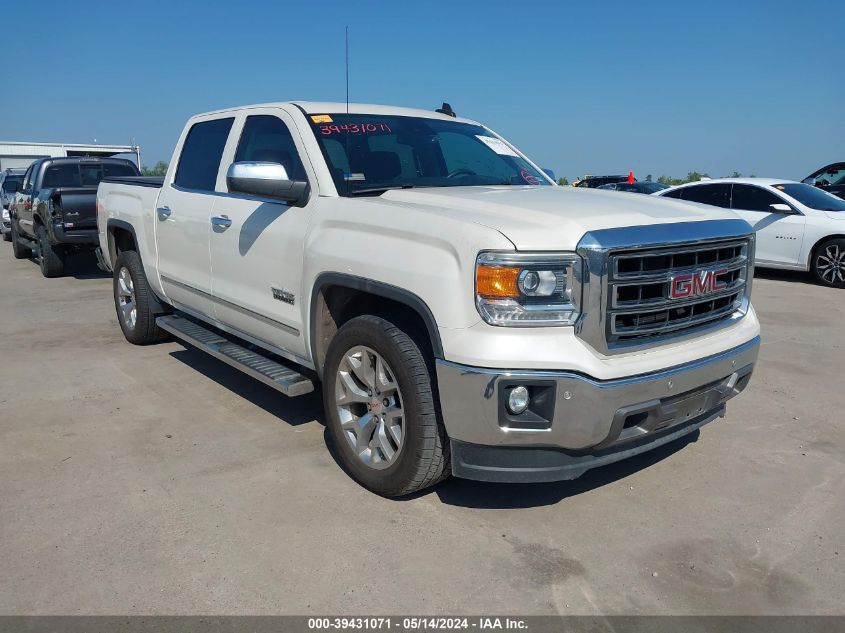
point(518, 400)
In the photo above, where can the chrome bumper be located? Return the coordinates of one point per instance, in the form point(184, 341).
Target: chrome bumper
point(608, 419)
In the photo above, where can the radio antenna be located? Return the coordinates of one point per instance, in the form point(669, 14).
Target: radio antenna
point(347, 71)
point(348, 157)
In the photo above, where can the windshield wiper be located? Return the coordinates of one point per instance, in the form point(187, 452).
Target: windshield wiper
point(356, 192)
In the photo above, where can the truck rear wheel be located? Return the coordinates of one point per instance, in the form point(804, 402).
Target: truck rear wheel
point(133, 301)
point(379, 403)
point(18, 249)
point(51, 259)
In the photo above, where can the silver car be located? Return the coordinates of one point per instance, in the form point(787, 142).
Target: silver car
point(10, 183)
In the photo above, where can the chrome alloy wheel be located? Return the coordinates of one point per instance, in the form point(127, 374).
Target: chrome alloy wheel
point(126, 298)
point(369, 406)
point(831, 264)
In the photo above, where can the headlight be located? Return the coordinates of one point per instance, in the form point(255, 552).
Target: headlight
point(527, 289)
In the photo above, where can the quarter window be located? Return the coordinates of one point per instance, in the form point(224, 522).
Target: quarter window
point(751, 198)
point(201, 154)
point(266, 138)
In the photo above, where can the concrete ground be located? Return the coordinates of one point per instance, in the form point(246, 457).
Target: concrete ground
point(159, 480)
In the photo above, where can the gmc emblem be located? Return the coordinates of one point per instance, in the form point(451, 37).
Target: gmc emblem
point(696, 284)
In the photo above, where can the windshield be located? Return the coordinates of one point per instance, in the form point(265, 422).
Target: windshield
point(11, 184)
point(833, 175)
point(812, 197)
point(651, 187)
point(370, 153)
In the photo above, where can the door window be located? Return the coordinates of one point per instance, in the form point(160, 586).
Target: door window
point(27, 179)
point(716, 194)
point(751, 198)
point(201, 154)
point(265, 138)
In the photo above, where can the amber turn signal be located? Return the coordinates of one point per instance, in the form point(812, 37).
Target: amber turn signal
point(497, 281)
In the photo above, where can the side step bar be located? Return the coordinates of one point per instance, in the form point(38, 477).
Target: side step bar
point(282, 378)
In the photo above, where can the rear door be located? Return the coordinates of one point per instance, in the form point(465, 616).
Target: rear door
point(183, 216)
point(779, 235)
point(257, 244)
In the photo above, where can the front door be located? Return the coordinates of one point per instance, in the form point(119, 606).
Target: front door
point(183, 217)
point(257, 244)
point(779, 235)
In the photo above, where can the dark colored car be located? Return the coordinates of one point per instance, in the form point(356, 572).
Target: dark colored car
point(56, 209)
point(597, 181)
point(831, 178)
point(643, 186)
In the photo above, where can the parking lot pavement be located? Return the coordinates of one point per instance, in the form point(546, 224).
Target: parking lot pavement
point(159, 480)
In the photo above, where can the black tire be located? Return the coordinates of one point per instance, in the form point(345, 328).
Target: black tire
point(828, 263)
point(424, 457)
point(51, 259)
point(19, 250)
point(7, 236)
point(144, 329)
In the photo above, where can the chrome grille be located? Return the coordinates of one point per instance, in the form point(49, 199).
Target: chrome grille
point(640, 304)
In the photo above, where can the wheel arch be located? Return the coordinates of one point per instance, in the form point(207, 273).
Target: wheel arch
point(121, 237)
point(337, 297)
point(819, 242)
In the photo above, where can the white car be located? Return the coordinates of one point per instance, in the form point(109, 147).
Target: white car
point(798, 226)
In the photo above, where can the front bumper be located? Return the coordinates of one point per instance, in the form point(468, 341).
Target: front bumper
point(576, 422)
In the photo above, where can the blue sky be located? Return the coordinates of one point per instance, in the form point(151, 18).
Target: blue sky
point(655, 87)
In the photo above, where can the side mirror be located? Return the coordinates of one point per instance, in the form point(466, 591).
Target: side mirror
point(784, 209)
point(268, 180)
point(549, 173)
point(809, 181)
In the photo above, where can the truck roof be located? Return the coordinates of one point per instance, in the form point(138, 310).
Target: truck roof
point(340, 107)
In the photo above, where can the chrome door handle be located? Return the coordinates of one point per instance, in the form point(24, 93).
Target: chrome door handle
point(221, 222)
point(163, 213)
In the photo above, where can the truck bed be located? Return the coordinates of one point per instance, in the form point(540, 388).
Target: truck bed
point(140, 181)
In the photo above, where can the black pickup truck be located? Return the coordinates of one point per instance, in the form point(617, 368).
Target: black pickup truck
point(56, 209)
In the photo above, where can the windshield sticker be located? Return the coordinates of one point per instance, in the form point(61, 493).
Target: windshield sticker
point(497, 145)
point(528, 177)
point(348, 176)
point(321, 118)
point(354, 128)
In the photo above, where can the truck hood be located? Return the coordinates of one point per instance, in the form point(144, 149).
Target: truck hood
point(546, 218)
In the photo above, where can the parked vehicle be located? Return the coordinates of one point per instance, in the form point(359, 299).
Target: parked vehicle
point(831, 178)
point(640, 186)
point(55, 211)
point(10, 183)
point(463, 313)
point(798, 227)
point(594, 182)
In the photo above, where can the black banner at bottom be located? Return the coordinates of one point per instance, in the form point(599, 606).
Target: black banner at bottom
point(420, 624)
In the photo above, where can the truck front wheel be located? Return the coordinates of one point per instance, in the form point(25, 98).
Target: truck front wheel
point(19, 250)
point(378, 398)
point(133, 301)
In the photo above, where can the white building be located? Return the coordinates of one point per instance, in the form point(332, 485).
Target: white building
point(21, 154)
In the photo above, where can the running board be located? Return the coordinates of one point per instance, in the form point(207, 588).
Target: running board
point(289, 381)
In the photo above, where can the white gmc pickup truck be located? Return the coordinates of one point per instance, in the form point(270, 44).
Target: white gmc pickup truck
point(463, 313)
